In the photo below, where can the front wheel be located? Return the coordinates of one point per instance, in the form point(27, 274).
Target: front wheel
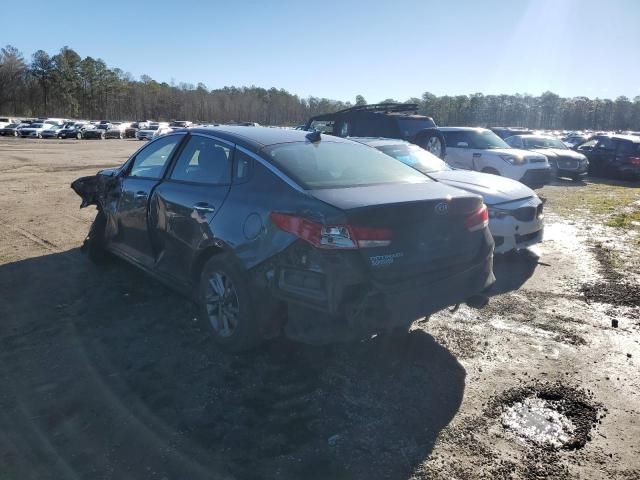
point(225, 304)
point(95, 241)
point(79, 136)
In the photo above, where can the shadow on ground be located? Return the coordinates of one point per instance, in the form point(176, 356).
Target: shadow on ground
point(108, 374)
point(512, 270)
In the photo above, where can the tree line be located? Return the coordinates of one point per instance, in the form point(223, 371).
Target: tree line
point(69, 86)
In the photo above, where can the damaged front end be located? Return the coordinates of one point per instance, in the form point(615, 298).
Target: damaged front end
point(94, 189)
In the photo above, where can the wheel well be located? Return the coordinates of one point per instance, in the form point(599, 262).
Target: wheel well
point(201, 259)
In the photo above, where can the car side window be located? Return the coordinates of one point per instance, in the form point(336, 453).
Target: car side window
point(452, 139)
point(150, 162)
point(241, 166)
point(203, 160)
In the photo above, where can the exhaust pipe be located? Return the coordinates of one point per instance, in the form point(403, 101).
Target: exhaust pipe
point(477, 301)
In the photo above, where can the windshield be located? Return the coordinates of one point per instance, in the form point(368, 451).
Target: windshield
point(339, 165)
point(415, 157)
point(103, 126)
point(543, 142)
point(486, 140)
point(409, 127)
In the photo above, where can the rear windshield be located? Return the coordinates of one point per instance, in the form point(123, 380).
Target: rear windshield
point(543, 142)
point(415, 157)
point(339, 165)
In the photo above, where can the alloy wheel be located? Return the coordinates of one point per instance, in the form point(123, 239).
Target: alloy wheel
point(223, 307)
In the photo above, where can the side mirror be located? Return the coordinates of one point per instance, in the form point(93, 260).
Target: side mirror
point(462, 145)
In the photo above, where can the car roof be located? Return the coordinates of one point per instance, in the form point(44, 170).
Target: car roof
point(631, 138)
point(461, 129)
point(259, 137)
point(378, 141)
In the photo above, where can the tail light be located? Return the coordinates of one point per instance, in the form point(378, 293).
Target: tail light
point(332, 236)
point(478, 219)
point(634, 160)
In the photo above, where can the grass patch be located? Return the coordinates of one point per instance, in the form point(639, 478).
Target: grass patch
point(590, 199)
point(625, 219)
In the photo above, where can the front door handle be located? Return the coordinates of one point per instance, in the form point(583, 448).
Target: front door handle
point(202, 207)
point(141, 194)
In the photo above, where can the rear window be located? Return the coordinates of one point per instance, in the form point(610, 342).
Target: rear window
point(339, 165)
point(411, 126)
point(415, 157)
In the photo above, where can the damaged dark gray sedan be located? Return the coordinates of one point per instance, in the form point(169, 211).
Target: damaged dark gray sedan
point(281, 231)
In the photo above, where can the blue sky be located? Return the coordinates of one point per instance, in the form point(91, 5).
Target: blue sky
point(339, 49)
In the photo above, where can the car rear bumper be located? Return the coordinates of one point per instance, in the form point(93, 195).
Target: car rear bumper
point(353, 305)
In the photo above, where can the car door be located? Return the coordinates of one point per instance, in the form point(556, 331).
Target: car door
point(458, 154)
point(183, 206)
point(142, 174)
point(600, 154)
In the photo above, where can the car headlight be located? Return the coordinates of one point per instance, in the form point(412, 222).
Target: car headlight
point(498, 213)
point(513, 160)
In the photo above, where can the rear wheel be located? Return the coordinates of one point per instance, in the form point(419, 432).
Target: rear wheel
point(225, 304)
point(433, 142)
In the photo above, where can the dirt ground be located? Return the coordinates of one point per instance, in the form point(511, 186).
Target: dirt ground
point(107, 374)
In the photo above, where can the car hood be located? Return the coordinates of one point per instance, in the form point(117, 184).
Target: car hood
point(492, 188)
point(558, 152)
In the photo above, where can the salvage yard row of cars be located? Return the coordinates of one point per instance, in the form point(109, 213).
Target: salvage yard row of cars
point(84, 129)
point(357, 224)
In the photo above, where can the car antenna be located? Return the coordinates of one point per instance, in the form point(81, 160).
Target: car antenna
point(314, 136)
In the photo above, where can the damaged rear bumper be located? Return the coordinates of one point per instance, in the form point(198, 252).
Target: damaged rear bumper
point(325, 307)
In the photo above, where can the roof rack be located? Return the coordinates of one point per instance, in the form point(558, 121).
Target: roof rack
point(382, 107)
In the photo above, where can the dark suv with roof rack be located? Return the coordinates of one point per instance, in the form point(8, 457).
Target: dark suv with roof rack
point(387, 120)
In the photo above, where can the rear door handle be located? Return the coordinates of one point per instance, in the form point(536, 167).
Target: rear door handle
point(141, 194)
point(202, 207)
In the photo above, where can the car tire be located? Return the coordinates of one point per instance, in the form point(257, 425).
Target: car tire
point(490, 170)
point(121, 136)
point(95, 244)
point(433, 142)
point(39, 135)
point(225, 304)
point(102, 136)
point(15, 134)
point(79, 136)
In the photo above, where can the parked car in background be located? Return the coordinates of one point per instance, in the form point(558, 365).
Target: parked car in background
point(574, 140)
point(74, 129)
point(388, 120)
point(147, 133)
point(505, 132)
point(564, 161)
point(34, 130)
point(104, 131)
point(180, 124)
point(6, 121)
point(613, 155)
point(516, 218)
point(53, 132)
point(54, 121)
point(131, 130)
point(10, 130)
point(163, 130)
point(482, 150)
point(251, 221)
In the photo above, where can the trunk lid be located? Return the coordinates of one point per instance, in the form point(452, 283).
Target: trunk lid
point(426, 221)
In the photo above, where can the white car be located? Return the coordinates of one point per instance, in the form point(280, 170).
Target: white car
point(482, 150)
point(35, 130)
point(148, 132)
point(4, 121)
point(516, 216)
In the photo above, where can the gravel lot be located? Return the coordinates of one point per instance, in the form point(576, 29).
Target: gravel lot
point(107, 374)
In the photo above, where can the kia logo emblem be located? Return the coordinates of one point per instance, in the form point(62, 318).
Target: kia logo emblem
point(442, 208)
